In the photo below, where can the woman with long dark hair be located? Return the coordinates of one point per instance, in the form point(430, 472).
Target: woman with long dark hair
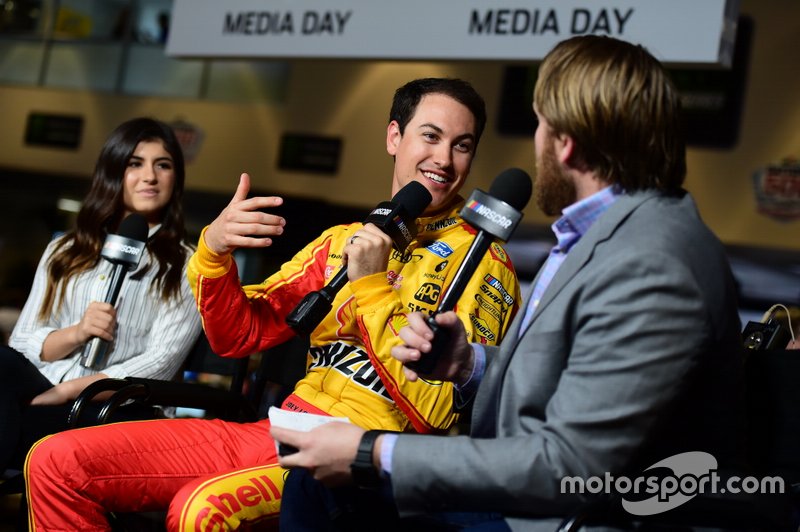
point(154, 323)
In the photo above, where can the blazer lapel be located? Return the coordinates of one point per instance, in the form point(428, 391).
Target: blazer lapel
point(581, 253)
point(488, 397)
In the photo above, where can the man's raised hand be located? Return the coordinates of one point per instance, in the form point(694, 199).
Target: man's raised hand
point(242, 224)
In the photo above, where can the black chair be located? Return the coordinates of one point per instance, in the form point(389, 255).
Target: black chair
point(253, 384)
point(773, 439)
point(226, 402)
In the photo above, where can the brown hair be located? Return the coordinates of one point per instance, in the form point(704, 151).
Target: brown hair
point(407, 98)
point(103, 209)
point(617, 103)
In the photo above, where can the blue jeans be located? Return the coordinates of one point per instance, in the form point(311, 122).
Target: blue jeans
point(308, 505)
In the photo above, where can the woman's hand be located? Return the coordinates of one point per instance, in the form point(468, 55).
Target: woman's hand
point(66, 391)
point(100, 320)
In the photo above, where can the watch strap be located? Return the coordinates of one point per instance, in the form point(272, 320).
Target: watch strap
point(365, 474)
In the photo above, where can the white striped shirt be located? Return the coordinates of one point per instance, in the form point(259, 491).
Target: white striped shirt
point(152, 339)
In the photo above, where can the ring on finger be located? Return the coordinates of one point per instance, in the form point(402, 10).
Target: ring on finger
point(353, 239)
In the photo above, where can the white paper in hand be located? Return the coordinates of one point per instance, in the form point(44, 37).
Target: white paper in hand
point(301, 421)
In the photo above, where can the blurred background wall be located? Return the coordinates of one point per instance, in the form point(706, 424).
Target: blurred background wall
point(241, 110)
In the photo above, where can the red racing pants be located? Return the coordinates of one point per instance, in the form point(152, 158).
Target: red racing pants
point(211, 474)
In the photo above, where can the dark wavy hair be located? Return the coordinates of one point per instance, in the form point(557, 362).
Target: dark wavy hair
point(407, 97)
point(103, 209)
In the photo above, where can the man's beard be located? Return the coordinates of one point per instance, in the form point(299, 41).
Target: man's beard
point(553, 189)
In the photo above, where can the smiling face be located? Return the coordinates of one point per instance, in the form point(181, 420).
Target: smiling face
point(436, 149)
point(149, 181)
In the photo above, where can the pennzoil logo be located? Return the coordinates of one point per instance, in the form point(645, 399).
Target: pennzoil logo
point(428, 293)
point(498, 252)
point(495, 283)
point(482, 327)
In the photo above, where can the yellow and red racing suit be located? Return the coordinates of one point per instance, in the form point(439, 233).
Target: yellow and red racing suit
point(220, 474)
point(350, 371)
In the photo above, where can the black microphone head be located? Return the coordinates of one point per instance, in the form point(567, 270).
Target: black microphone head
point(396, 217)
point(414, 198)
point(126, 246)
point(134, 226)
point(514, 186)
point(499, 211)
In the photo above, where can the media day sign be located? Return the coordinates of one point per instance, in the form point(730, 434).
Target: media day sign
point(678, 31)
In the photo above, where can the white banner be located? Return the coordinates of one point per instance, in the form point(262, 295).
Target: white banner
point(675, 31)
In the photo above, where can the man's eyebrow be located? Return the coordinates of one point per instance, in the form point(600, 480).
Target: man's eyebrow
point(432, 126)
point(436, 128)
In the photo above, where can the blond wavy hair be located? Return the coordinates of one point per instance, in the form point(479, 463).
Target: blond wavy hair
point(615, 100)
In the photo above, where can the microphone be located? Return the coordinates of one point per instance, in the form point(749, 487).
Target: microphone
point(396, 219)
point(495, 215)
point(123, 250)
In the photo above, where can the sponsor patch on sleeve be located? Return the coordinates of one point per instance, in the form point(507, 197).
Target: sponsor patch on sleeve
point(498, 252)
point(482, 328)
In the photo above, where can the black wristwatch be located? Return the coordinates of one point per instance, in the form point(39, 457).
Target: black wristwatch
point(365, 475)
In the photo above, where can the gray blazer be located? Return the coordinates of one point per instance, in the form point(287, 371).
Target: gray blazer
point(633, 355)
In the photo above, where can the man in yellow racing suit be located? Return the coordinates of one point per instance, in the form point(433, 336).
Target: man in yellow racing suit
point(215, 474)
point(349, 370)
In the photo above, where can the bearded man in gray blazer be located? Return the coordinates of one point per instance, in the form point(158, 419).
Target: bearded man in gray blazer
point(629, 352)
